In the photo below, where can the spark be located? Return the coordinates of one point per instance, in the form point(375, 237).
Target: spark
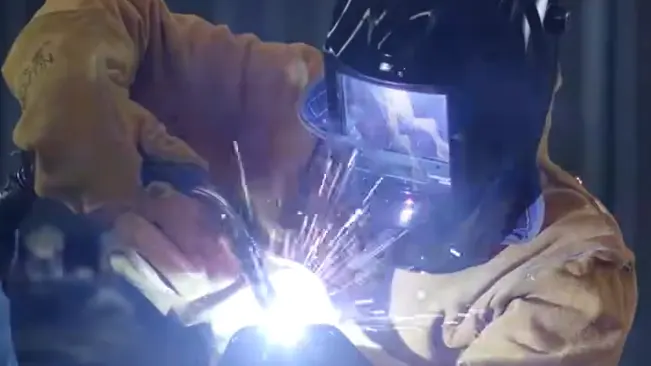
point(244, 186)
point(331, 238)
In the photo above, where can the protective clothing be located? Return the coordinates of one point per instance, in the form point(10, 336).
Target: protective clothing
point(106, 85)
point(568, 297)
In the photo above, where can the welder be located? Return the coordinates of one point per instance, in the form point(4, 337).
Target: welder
point(510, 260)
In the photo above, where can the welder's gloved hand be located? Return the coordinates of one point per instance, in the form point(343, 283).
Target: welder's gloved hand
point(171, 246)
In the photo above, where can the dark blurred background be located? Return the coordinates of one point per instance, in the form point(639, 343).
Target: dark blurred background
point(599, 131)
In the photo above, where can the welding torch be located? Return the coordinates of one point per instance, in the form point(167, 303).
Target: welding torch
point(240, 224)
point(243, 244)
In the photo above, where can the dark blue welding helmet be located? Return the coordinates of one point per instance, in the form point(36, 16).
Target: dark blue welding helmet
point(428, 118)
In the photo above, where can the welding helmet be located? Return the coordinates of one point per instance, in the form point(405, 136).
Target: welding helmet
point(429, 117)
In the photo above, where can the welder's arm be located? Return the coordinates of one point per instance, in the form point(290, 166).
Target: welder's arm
point(275, 145)
point(577, 316)
point(71, 69)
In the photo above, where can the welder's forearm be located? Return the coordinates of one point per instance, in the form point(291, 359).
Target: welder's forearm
point(73, 92)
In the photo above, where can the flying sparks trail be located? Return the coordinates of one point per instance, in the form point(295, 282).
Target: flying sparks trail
point(333, 237)
point(244, 185)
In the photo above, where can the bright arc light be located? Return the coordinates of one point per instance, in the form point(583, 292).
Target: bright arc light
point(301, 300)
point(407, 212)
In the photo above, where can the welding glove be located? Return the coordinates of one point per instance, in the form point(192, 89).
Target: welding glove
point(169, 248)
